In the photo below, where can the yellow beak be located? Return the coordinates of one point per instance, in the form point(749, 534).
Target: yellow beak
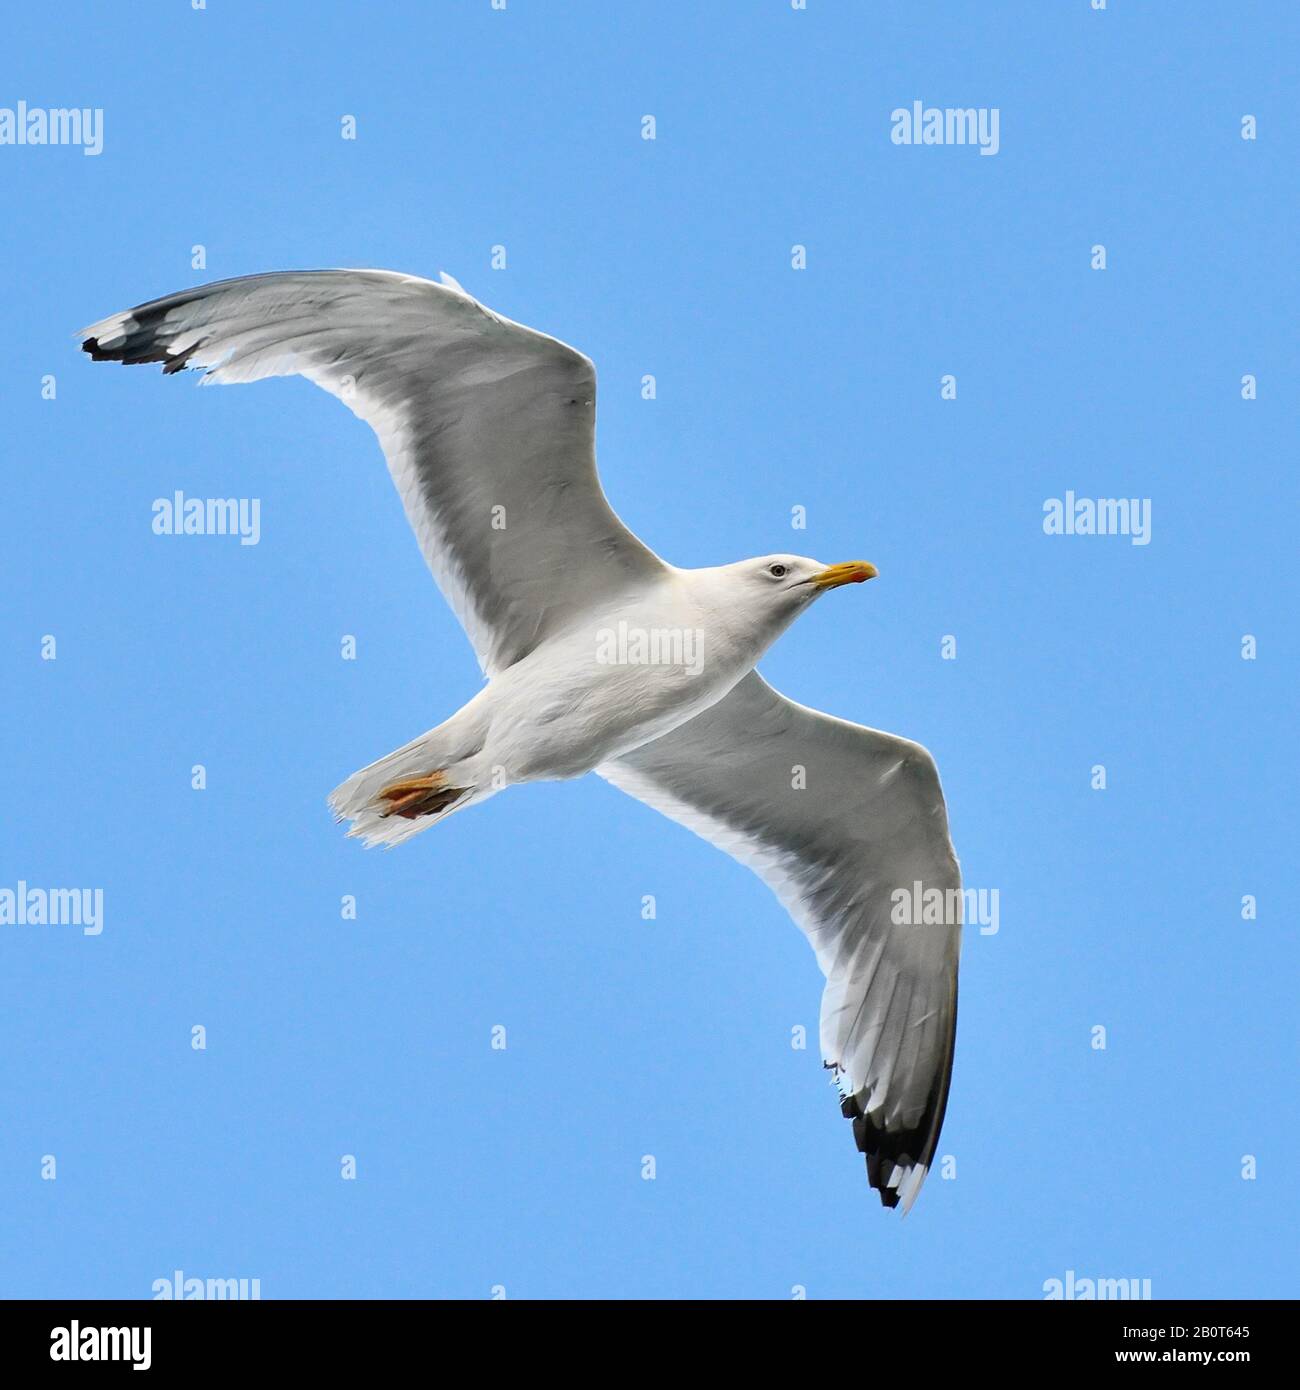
point(851, 572)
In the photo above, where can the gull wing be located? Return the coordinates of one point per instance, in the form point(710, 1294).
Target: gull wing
point(488, 428)
point(835, 818)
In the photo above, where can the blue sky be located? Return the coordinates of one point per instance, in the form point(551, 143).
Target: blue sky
point(776, 388)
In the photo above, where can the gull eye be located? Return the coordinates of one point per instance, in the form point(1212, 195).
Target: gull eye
point(777, 571)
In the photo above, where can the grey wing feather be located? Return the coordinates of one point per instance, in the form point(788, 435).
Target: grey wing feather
point(839, 820)
point(488, 428)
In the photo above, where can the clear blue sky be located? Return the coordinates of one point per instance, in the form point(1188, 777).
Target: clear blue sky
point(776, 388)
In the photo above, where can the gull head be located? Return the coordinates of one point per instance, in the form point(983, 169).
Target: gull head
point(795, 580)
point(771, 591)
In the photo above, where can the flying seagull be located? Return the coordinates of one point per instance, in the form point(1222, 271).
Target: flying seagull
point(600, 656)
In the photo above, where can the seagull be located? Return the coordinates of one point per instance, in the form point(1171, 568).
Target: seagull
point(601, 657)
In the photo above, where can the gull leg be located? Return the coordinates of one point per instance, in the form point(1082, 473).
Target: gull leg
point(413, 797)
point(419, 784)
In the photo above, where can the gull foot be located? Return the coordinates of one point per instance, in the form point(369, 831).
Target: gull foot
point(418, 796)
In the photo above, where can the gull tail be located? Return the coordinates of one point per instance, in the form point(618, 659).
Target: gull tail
point(406, 792)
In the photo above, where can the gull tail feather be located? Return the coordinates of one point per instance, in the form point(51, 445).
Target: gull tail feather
point(403, 793)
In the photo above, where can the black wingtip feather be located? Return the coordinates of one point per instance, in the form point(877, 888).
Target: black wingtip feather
point(887, 1150)
point(138, 347)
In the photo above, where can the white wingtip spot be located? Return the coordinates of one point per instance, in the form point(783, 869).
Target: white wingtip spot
point(909, 1189)
point(109, 332)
